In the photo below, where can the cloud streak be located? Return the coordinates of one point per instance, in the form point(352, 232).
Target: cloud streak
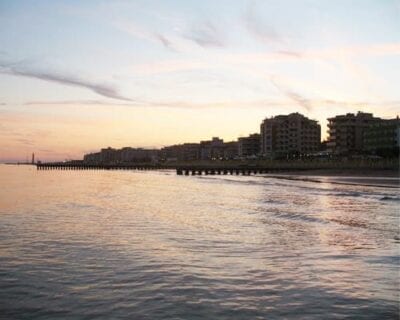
point(308, 104)
point(104, 90)
point(143, 34)
point(280, 56)
point(205, 34)
point(165, 41)
point(165, 104)
point(259, 29)
point(292, 95)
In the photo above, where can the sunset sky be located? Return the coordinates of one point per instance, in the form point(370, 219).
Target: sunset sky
point(76, 76)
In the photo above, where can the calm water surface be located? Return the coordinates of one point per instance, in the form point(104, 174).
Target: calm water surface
point(153, 245)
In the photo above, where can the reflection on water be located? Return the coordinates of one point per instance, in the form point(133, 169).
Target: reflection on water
point(153, 245)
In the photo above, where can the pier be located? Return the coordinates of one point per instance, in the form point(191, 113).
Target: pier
point(234, 167)
point(180, 170)
point(73, 166)
point(245, 171)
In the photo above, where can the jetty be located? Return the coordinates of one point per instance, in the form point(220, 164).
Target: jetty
point(180, 169)
point(231, 167)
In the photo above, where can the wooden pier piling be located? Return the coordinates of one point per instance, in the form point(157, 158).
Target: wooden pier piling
point(186, 170)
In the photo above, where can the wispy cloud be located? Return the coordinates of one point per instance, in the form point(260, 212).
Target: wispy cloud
point(205, 34)
point(289, 53)
point(234, 59)
point(258, 28)
point(52, 151)
point(312, 104)
point(292, 95)
point(166, 104)
point(144, 34)
point(61, 78)
point(384, 49)
point(25, 142)
point(164, 40)
point(331, 54)
point(224, 60)
point(168, 66)
point(289, 103)
point(66, 102)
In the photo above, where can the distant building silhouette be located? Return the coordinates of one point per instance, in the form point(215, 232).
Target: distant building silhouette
point(289, 135)
point(230, 150)
point(382, 138)
point(249, 146)
point(216, 148)
point(212, 149)
point(117, 156)
point(346, 132)
point(282, 136)
point(181, 152)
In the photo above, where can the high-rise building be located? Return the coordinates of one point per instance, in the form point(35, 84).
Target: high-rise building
point(346, 132)
point(289, 135)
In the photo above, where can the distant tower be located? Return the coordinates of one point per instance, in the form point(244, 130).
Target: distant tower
point(33, 158)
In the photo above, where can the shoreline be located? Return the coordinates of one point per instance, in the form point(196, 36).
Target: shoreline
point(359, 173)
point(372, 178)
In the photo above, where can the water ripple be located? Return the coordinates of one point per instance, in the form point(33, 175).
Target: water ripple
point(152, 245)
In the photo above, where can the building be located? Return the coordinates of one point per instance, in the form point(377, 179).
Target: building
point(215, 149)
point(382, 138)
point(290, 135)
point(346, 132)
point(212, 149)
point(249, 146)
point(129, 155)
point(190, 151)
point(181, 152)
point(230, 150)
point(118, 156)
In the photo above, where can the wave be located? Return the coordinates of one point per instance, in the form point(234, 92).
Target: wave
point(387, 198)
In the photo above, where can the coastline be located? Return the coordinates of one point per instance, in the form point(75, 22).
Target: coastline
point(344, 173)
point(369, 178)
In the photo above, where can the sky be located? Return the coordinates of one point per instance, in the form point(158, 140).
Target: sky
point(77, 76)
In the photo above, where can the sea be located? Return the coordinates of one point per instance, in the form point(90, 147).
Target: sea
point(154, 245)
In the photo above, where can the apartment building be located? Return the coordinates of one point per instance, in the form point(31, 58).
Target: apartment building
point(346, 132)
point(181, 152)
point(249, 146)
point(125, 155)
point(382, 137)
point(289, 135)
